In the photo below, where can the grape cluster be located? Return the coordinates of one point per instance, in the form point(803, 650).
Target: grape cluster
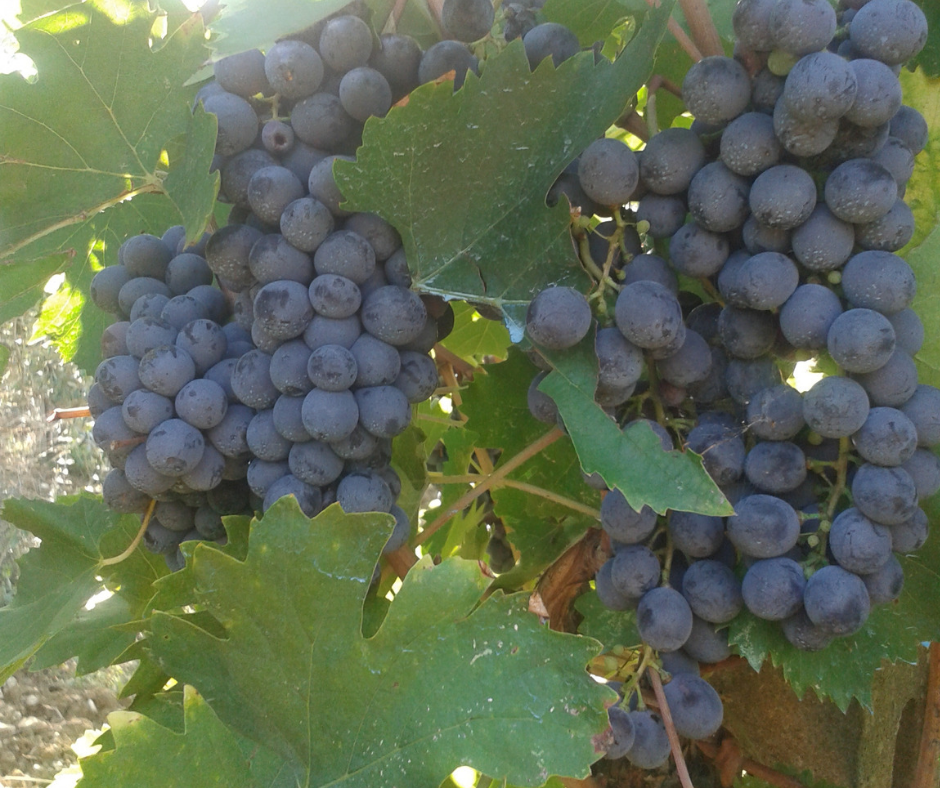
point(762, 236)
point(164, 409)
point(302, 393)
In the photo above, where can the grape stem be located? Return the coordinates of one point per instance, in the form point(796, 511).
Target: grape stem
point(926, 772)
point(633, 683)
point(842, 469)
point(487, 482)
point(729, 753)
point(133, 545)
point(548, 495)
point(703, 30)
point(682, 771)
point(680, 35)
point(68, 413)
point(633, 123)
point(654, 391)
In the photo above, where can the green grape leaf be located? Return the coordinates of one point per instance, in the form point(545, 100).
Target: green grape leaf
point(245, 24)
point(148, 754)
point(58, 578)
point(541, 526)
point(484, 233)
point(923, 260)
point(632, 460)
point(844, 670)
point(294, 673)
point(475, 337)
point(923, 189)
point(68, 316)
point(592, 20)
point(610, 627)
point(21, 287)
point(929, 57)
point(4, 358)
point(60, 180)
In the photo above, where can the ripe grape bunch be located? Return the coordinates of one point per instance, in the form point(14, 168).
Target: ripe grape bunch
point(303, 391)
point(764, 235)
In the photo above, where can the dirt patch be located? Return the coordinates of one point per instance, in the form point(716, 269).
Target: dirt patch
point(43, 713)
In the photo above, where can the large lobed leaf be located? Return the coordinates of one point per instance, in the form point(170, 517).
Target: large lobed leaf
point(58, 579)
point(89, 134)
point(483, 232)
point(540, 529)
point(592, 20)
point(149, 754)
point(632, 459)
point(443, 681)
point(844, 670)
point(246, 24)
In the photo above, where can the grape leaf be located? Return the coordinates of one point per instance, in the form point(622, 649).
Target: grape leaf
point(923, 189)
point(245, 24)
point(68, 317)
point(474, 337)
point(483, 233)
point(294, 674)
point(21, 286)
point(64, 187)
point(57, 579)
point(929, 57)
point(591, 20)
point(844, 670)
point(95, 65)
point(207, 753)
point(540, 529)
point(610, 627)
point(632, 460)
point(923, 260)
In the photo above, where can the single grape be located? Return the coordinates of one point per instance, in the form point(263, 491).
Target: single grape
point(892, 31)
point(800, 27)
point(650, 748)
point(237, 122)
point(860, 340)
point(696, 535)
point(821, 86)
point(887, 437)
point(716, 89)
point(550, 39)
point(608, 171)
point(293, 68)
point(924, 468)
point(835, 407)
point(712, 591)
point(696, 709)
point(836, 600)
point(622, 522)
point(670, 160)
point(242, 73)
point(664, 619)
point(446, 56)
point(384, 411)
point(885, 495)
point(763, 526)
point(345, 43)
point(365, 93)
point(858, 544)
point(892, 384)
point(696, 252)
point(878, 96)
point(649, 315)
point(722, 451)
point(772, 589)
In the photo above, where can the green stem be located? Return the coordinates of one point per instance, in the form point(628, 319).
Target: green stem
point(631, 684)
